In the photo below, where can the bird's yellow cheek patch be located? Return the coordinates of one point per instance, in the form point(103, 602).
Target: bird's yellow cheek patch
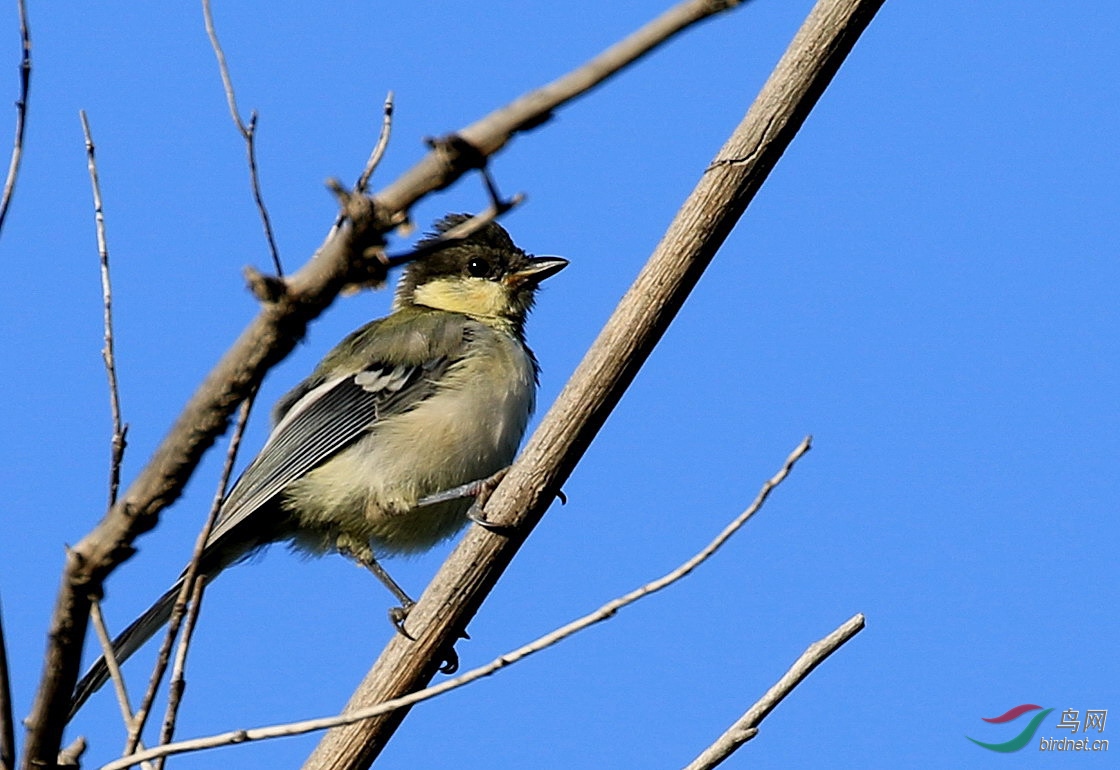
point(470, 296)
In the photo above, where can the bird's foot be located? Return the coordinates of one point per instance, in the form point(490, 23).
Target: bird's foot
point(398, 615)
point(477, 511)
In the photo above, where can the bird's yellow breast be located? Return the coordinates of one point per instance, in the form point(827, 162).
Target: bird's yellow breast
point(467, 430)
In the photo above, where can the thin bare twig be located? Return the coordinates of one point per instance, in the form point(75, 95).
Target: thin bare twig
point(378, 149)
point(106, 642)
point(197, 581)
point(248, 132)
point(7, 719)
point(178, 680)
point(21, 112)
point(118, 441)
point(608, 610)
point(190, 576)
point(372, 163)
point(71, 755)
point(747, 726)
point(119, 685)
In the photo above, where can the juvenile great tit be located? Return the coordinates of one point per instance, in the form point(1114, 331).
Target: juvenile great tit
point(433, 396)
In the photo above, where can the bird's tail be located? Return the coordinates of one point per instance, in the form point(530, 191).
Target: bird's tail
point(225, 547)
point(129, 641)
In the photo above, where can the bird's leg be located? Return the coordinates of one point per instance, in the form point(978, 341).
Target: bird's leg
point(471, 489)
point(480, 490)
point(366, 558)
point(397, 615)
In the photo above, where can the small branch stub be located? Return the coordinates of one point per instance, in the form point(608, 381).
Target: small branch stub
point(266, 288)
point(370, 266)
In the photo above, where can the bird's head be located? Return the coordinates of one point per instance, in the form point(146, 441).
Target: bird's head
point(484, 275)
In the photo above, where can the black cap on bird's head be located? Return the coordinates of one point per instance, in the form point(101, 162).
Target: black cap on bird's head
point(483, 274)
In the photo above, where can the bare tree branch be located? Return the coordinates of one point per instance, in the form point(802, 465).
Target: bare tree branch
point(72, 754)
point(747, 725)
point(21, 113)
point(178, 678)
point(248, 132)
point(607, 611)
point(191, 576)
point(457, 153)
point(118, 440)
point(344, 259)
point(378, 149)
point(7, 718)
point(119, 685)
point(701, 225)
point(106, 642)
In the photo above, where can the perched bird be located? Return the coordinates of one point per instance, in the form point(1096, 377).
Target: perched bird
point(435, 395)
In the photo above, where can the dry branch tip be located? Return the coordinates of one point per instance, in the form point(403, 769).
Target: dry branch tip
point(70, 756)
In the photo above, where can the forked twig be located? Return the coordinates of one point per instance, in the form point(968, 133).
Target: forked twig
point(375, 156)
point(248, 132)
point(608, 610)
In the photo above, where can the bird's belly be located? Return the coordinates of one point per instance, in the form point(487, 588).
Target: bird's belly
point(367, 493)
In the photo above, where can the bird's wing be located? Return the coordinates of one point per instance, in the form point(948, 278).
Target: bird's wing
point(320, 422)
point(324, 420)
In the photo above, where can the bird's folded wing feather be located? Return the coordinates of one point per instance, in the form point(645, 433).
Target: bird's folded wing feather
point(325, 420)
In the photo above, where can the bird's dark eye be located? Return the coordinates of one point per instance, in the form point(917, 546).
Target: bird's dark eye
point(478, 267)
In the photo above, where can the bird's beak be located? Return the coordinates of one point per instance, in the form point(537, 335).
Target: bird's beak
point(537, 270)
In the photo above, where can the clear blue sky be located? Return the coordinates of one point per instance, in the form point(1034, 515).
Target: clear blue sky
point(928, 283)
